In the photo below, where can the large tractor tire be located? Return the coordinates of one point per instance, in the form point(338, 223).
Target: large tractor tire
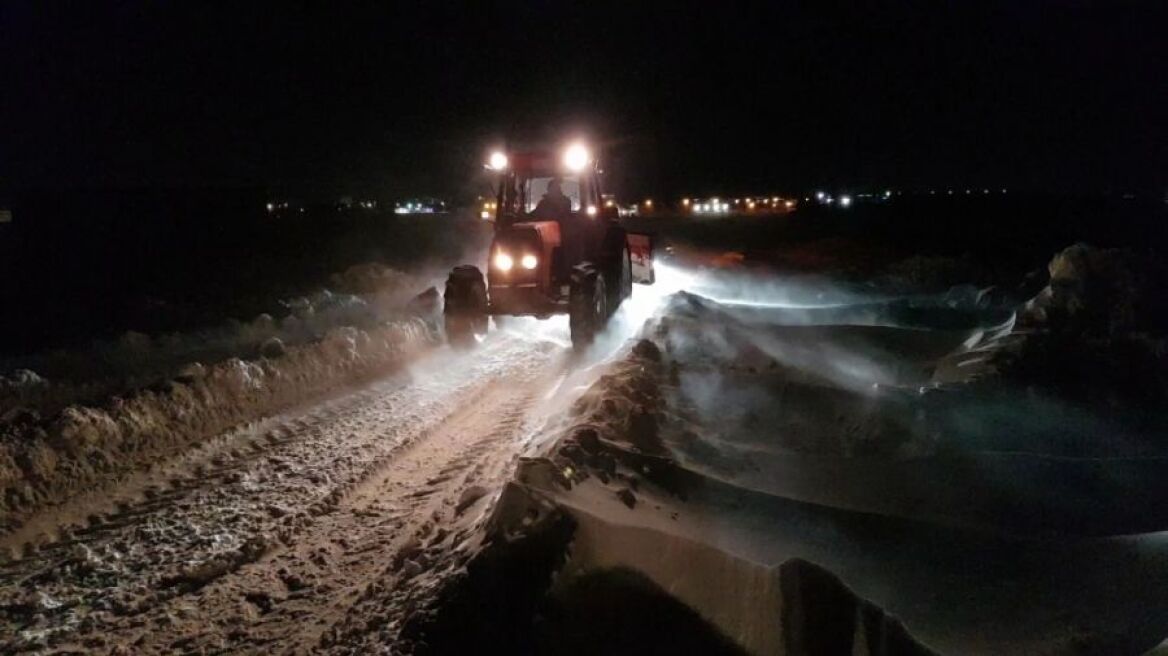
point(587, 305)
point(465, 306)
point(619, 268)
point(623, 285)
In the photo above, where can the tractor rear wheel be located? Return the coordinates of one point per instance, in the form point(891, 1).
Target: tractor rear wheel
point(465, 308)
point(587, 305)
point(622, 280)
point(618, 267)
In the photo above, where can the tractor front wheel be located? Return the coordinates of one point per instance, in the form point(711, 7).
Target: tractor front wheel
point(587, 305)
point(465, 306)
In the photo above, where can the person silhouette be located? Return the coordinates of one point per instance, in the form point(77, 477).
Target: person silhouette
point(554, 204)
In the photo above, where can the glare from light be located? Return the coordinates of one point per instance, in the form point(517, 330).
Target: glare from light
point(271, 207)
point(498, 161)
point(528, 261)
point(609, 203)
point(503, 262)
point(789, 204)
point(685, 201)
point(576, 157)
point(648, 202)
point(591, 210)
point(750, 205)
point(819, 195)
point(845, 201)
point(485, 215)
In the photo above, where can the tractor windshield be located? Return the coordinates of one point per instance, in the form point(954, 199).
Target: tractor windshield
point(534, 189)
point(522, 193)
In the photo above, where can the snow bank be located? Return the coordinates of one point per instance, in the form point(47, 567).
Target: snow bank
point(85, 445)
point(795, 608)
point(613, 473)
point(741, 450)
point(1097, 292)
point(364, 297)
point(1100, 334)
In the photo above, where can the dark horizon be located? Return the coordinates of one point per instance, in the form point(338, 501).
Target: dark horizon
point(1044, 96)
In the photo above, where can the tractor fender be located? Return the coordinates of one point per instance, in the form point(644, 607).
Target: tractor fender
point(641, 253)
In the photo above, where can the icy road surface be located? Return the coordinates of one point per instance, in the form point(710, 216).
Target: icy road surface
point(266, 539)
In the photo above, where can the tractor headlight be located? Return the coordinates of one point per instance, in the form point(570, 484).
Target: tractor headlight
point(503, 262)
point(528, 261)
point(576, 157)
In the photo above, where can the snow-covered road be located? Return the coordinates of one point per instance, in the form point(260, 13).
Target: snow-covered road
point(273, 538)
point(770, 426)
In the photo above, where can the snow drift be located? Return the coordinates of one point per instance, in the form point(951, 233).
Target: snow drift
point(140, 398)
point(39, 385)
point(874, 450)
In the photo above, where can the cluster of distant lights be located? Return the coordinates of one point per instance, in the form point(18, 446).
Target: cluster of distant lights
point(417, 208)
point(843, 200)
point(824, 198)
point(846, 200)
point(285, 206)
point(718, 206)
point(711, 207)
point(273, 207)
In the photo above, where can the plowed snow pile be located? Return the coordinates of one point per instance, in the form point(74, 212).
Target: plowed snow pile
point(1101, 332)
point(849, 478)
point(123, 405)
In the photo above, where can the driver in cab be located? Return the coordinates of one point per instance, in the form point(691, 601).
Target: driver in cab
point(554, 204)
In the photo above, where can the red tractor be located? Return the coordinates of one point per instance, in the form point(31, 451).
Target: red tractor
point(558, 249)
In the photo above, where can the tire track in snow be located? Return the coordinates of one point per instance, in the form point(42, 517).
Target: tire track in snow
point(140, 577)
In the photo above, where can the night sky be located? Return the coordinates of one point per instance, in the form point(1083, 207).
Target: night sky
point(368, 98)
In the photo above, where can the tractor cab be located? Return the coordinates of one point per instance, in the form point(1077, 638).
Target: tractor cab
point(557, 249)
